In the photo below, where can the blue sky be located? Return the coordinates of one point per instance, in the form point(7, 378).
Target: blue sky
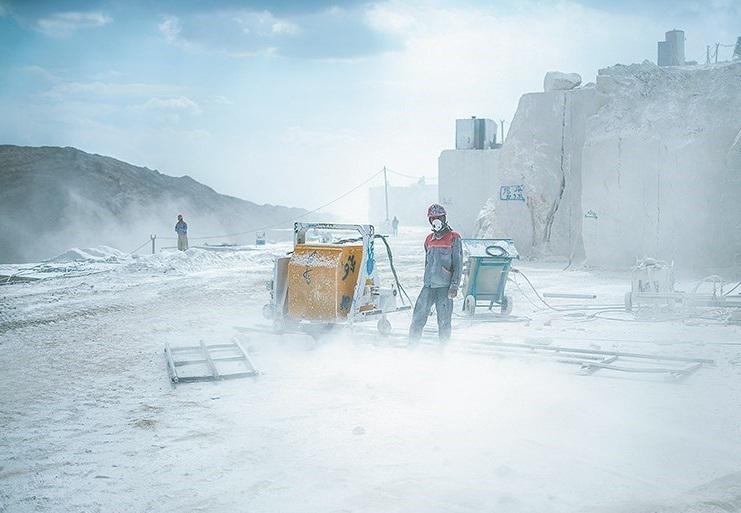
point(294, 102)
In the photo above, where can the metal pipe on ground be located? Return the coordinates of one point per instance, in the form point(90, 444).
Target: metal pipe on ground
point(564, 295)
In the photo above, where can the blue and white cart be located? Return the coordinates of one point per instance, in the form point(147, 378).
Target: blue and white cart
point(486, 266)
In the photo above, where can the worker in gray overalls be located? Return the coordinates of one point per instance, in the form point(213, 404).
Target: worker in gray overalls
point(443, 266)
point(181, 228)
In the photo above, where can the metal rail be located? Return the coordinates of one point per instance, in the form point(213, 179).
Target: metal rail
point(559, 349)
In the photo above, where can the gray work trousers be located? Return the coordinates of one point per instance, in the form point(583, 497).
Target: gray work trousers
point(182, 241)
point(444, 306)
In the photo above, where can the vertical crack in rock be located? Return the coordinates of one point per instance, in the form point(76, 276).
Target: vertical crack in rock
point(557, 202)
point(619, 159)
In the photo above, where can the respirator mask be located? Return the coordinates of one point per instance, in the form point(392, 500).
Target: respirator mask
point(437, 225)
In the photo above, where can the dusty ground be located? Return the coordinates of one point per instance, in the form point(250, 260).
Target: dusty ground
point(90, 422)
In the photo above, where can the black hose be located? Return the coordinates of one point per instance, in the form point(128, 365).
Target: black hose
point(347, 241)
point(502, 251)
point(537, 294)
point(393, 269)
point(390, 257)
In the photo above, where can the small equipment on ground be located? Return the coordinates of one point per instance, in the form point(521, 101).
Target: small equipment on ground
point(486, 266)
point(260, 239)
point(652, 292)
point(652, 286)
point(331, 282)
point(211, 362)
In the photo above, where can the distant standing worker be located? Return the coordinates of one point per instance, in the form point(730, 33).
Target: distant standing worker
point(395, 226)
point(443, 261)
point(181, 228)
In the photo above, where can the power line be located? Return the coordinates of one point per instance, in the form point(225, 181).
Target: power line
point(410, 176)
point(286, 221)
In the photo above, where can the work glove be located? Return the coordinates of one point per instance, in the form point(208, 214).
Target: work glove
point(452, 292)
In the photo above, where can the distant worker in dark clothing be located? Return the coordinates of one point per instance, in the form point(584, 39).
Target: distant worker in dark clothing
point(443, 266)
point(181, 228)
point(395, 226)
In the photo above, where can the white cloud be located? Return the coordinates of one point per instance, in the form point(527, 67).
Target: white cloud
point(173, 104)
point(325, 34)
point(171, 28)
point(220, 31)
point(41, 72)
point(109, 74)
point(238, 34)
point(285, 27)
point(218, 99)
point(65, 23)
point(390, 20)
point(479, 61)
point(111, 89)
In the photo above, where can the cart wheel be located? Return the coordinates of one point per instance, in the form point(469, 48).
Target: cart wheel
point(267, 311)
point(628, 301)
point(384, 326)
point(507, 305)
point(469, 305)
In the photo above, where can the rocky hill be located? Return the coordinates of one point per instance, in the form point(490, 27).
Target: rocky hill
point(53, 198)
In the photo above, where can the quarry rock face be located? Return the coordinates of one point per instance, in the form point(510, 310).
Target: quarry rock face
point(645, 163)
point(733, 160)
point(558, 81)
point(542, 156)
point(656, 166)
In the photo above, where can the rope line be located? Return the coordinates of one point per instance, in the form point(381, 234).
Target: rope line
point(410, 176)
point(286, 221)
point(139, 247)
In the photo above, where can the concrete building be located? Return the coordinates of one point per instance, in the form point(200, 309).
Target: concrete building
point(671, 50)
point(466, 175)
point(475, 134)
point(409, 203)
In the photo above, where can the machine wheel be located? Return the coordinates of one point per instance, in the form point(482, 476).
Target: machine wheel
point(279, 325)
point(628, 301)
point(469, 305)
point(267, 311)
point(507, 305)
point(384, 326)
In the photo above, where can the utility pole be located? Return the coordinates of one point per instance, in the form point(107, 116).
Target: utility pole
point(707, 54)
point(501, 124)
point(386, 191)
point(153, 237)
point(717, 45)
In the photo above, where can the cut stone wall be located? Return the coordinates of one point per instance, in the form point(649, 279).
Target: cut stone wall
point(542, 154)
point(658, 166)
point(647, 162)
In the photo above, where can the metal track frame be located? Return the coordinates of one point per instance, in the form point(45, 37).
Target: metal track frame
point(210, 356)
